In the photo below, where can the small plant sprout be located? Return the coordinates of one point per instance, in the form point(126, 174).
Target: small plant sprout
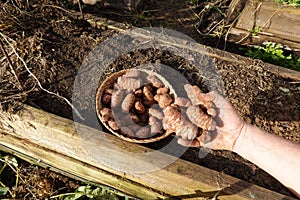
point(274, 53)
point(295, 3)
point(255, 31)
point(91, 192)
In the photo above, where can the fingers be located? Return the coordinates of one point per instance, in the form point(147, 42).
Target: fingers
point(218, 100)
point(198, 97)
point(203, 112)
point(188, 143)
point(204, 138)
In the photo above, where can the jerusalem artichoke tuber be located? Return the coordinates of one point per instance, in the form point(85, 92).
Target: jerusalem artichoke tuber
point(113, 125)
point(106, 99)
point(155, 124)
point(143, 132)
point(163, 90)
point(156, 113)
point(154, 81)
point(200, 118)
point(164, 100)
point(106, 114)
point(182, 102)
point(193, 93)
point(139, 107)
point(116, 98)
point(128, 102)
point(148, 98)
point(175, 121)
point(129, 83)
point(151, 109)
point(187, 130)
point(172, 118)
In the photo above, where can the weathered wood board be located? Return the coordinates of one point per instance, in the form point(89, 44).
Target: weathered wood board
point(273, 22)
point(103, 23)
point(54, 141)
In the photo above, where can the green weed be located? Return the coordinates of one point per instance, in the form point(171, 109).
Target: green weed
point(11, 162)
point(295, 3)
point(275, 54)
point(90, 192)
point(255, 31)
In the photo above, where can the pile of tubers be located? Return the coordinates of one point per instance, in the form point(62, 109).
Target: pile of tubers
point(139, 105)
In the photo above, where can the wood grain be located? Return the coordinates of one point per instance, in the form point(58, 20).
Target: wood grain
point(54, 140)
point(276, 22)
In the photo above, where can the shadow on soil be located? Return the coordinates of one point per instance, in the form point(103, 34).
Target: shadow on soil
point(229, 190)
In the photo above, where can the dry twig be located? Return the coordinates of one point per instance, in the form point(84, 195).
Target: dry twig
point(37, 80)
point(80, 9)
point(11, 66)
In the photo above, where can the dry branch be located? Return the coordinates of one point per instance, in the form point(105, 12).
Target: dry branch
point(37, 80)
point(11, 66)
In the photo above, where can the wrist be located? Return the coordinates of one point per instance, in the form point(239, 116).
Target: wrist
point(242, 138)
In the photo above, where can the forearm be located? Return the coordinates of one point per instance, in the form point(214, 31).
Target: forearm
point(275, 155)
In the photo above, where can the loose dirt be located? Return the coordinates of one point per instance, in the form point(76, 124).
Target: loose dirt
point(53, 45)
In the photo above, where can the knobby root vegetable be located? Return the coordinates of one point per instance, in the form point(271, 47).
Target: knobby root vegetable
point(182, 102)
point(164, 100)
point(116, 98)
point(144, 107)
point(128, 102)
point(200, 118)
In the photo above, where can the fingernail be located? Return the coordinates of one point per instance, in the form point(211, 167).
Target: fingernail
point(212, 112)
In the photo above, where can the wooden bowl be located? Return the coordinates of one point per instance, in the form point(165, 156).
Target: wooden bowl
point(108, 83)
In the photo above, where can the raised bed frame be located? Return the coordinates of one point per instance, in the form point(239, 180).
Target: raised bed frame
point(274, 22)
point(52, 141)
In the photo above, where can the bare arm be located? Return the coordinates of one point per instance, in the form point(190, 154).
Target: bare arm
point(275, 155)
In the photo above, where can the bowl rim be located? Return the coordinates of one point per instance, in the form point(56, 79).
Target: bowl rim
point(108, 82)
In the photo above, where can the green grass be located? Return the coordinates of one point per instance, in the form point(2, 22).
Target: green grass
point(90, 192)
point(275, 54)
point(289, 2)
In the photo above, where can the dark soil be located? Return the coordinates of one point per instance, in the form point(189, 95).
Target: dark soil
point(35, 182)
point(204, 21)
point(54, 44)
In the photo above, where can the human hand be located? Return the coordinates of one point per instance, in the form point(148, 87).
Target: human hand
point(228, 129)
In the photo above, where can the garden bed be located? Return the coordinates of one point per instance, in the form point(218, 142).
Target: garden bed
point(54, 43)
point(268, 22)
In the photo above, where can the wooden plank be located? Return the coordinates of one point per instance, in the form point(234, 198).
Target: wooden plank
point(244, 37)
point(54, 140)
point(276, 22)
point(215, 53)
point(100, 23)
point(235, 7)
point(273, 18)
point(77, 169)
